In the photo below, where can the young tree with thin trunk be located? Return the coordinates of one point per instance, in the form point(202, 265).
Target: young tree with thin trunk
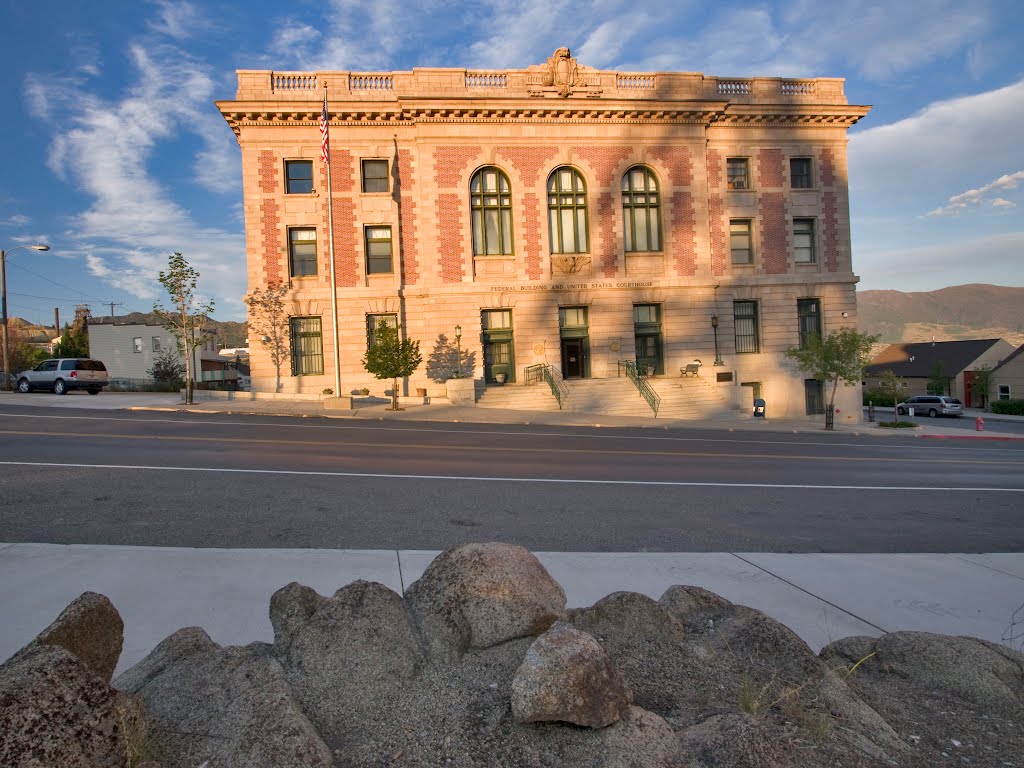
point(188, 313)
point(840, 357)
point(891, 387)
point(268, 324)
point(390, 357)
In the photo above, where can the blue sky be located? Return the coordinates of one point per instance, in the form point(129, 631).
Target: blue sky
point(115, 155)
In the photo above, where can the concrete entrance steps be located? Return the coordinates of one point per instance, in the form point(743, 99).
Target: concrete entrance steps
point(681, 398)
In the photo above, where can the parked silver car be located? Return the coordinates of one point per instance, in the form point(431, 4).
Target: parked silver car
point(931, 405)
point(62, 374)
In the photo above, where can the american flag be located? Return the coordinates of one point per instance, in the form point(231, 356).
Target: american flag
point(325, 137)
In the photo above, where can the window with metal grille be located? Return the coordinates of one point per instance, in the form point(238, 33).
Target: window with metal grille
point(738, 172)
point(800, 173)
point(298, 177)
point(378, 250)
point(307, 353)
point(567, 212)
point(808, 313)
point(375, 175)
point(301, 252)
point(744, 315)
point(373, 322)
point(491, 207)
point(803, 241)
point(641, 210)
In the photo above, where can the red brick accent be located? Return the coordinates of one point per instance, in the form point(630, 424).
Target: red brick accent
point(718, 232)
point(716, 178)
point(684, 234)
point(677, 160)
point(604, 222)
point(269, 168)
point(827, 166)
point(604, 160)
point(532, 235)
point(769, 169)
point(410, 252)
point(450, 237)
point(830, 231)
point(343, 172)
point(451, 163)
point(774, 241)
point(346, 254)
point(528, 161)
point(273, 269)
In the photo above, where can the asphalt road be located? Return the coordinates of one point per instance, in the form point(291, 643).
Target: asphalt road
point(194, 480)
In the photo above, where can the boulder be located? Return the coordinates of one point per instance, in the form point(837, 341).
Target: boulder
point(567, 677)
point(222, 706)
point(345, 657)
point(91, 629)
point(55, 711)
point(734, 740)
point(478, 595)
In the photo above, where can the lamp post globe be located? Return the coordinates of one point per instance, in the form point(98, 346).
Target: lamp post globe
point(6, 384)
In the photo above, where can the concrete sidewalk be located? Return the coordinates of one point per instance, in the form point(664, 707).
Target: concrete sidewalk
point(227, 591)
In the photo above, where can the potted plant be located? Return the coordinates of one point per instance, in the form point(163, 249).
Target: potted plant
point(499, 377)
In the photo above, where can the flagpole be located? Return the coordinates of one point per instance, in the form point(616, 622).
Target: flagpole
point(325, 152)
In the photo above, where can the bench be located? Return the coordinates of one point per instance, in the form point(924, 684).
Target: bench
point(690, 369)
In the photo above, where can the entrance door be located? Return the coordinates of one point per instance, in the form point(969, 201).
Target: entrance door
point(572, 359)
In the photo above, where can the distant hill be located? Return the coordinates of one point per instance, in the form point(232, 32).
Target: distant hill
point(974, 311)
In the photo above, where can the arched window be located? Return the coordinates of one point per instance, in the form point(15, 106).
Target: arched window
point(641, 210)
point(491, 202)
point(567, 212)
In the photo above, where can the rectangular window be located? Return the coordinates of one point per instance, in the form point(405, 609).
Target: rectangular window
point(738, 172)
point(375, 175)
point(497, 319)
point(302, 252)
point(800, 173)
point(1003, 391)
point(745, 319)
point(137, 344)
point(572, 317)
point(156, 344)
point(373, 322)
point(741, 241)
point(378, 250)
point(803, 241)
point(814, 396)
point(808, 313)
point(307, 346)
point(298, 177)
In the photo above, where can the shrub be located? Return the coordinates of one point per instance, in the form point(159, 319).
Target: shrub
point(1011, 407)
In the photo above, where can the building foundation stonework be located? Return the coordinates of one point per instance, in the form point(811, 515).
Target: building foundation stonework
point(555, 215)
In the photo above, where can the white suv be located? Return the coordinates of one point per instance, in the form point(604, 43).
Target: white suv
point(65, 373)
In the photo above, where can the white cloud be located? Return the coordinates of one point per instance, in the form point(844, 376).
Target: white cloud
point(178, 20)
point(977, 197)
point(15, 220)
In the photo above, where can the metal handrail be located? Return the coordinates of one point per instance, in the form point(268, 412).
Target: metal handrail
point(645, 389)
point(544, 372)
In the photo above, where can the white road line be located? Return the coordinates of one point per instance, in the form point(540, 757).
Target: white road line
point(470, 478)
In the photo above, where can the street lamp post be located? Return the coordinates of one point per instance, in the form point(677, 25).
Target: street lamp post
point(458, 351)
point(714, 326)
point(3, 308)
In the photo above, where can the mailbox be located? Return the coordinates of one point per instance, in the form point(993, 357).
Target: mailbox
point(758, 408)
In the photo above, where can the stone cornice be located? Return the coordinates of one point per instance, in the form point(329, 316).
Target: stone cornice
point(241, 114)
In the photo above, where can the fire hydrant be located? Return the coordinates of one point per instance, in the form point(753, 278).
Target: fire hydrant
point(979, 424)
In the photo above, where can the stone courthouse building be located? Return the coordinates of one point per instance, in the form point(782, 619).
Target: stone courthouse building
point(555, 215)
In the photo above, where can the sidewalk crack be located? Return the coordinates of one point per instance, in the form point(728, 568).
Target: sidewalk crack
point(784, 580)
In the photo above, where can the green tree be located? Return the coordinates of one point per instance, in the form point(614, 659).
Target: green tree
point(188, 312)
point(74, 341)
point(268, 322)
point(938, 384)
point(168, 368)
point(840, 357)
point(390, 357)
point(891, 388)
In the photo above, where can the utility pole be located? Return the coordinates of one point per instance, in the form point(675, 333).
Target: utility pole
point(112, 305)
